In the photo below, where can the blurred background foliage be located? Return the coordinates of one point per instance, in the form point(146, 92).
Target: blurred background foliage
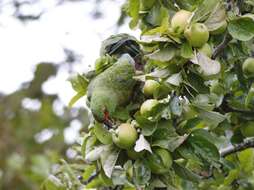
point(35, 126)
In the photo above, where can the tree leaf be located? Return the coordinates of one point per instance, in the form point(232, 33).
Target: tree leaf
point(242, 28)
point(207, 66)
point(134, 12)
point(94, 154)
point(204, 9)
point(204, 148)
point(185, 173)
point(187, 51)
point(163, 55)
point(175, 79)
point(166, 137)
point(217, 18)
point(109, 158)
point(176, 106)
point(141, 173)
point(148, 127)
point(75, 98)
point(52, 183)
point(142, 144)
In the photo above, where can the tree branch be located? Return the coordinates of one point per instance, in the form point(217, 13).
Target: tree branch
point(91, 178)
point(226, 108)
point(236, 148)
point(227, 38)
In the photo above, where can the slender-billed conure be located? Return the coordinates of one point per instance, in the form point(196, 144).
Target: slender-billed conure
point(112, 88)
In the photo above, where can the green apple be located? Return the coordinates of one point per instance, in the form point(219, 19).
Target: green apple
point(125, 136)
point(248, 67)
point(248, 129)
point(147, 108)
point(220, 30)
point(197, 34)
point(206, 49)
point(180, 20)
point(150, 87)
point(159, 161)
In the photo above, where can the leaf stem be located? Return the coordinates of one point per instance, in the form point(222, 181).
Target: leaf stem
point(236, 148)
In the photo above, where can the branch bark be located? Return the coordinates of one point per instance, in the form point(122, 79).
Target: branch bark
point(236, 148)
point(227, 38)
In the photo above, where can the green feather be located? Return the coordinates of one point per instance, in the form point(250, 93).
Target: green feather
point(112, 88)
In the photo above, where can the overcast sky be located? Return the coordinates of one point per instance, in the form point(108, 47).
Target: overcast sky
point(69, 25)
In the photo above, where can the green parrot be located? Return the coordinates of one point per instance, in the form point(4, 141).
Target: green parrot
point(112, 88)
point(119, 44)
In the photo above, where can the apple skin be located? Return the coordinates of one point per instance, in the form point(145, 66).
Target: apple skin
point(159, 161)
point(148, 106)
point(197, 34)
point(206, 49)
point(125, 136)
point(248, 129)
point(150, 87)
point(248, 67)
point(180, 20)
point(220, 30)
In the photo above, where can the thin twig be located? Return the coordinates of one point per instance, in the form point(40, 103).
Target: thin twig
point(236, 148)
point(91, 178)
point(227, 38)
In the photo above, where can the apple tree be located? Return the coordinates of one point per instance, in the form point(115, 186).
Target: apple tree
point(173, 109)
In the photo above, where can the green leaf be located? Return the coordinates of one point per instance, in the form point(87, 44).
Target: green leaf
point(148, 127)
point(175, 79)
point(187, 51)
point(79, 83)
point(75, 98)
point(249, 100)
point(166, 137)
point(52, 183)
point(141, 173)
point(207, 66)
point(176, 106)
point(109, 158)
point(211, 118)
point(246, 158)
point(185, 173)
point(142, 144)
point(162, 55)
point(242, 28)
point(189, 5)
point(204, 148)
point(233, 175)
point(204, 9)
point(102, 134)
point(217, 18)
point(119, 177)
point(94, 154)
point(134, 12)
